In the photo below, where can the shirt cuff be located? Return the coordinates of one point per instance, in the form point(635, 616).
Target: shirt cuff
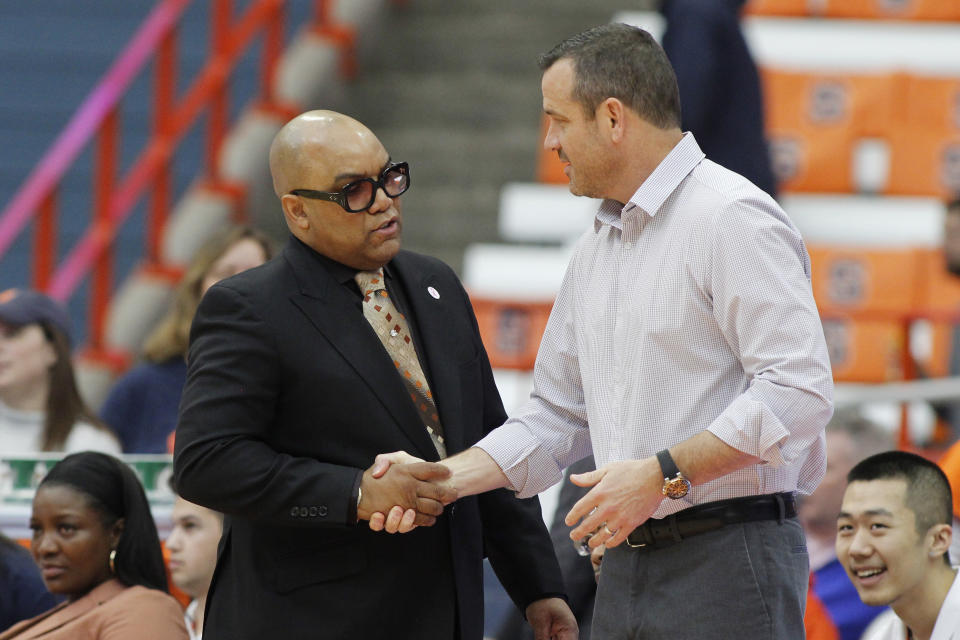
point(751, 427)
point(516, 451)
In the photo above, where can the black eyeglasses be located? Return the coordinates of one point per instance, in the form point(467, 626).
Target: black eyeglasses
point(359, 195)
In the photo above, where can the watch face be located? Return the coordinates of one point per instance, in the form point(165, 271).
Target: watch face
point(676, 487)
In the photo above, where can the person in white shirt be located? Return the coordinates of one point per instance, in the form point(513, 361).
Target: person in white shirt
point(192, 544)
point(684, 350)
point(40, 406)
point(851, 437)
point(893, 535)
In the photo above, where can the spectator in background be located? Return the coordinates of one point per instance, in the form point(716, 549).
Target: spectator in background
point(142, 406)
point(893, 533)
point(40, 405)
point(850, 438)
point(193, 556)
point(96, 544)
point(719, 85)
point(22, 593)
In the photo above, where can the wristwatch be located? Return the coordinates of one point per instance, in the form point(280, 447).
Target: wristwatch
point(675, 486)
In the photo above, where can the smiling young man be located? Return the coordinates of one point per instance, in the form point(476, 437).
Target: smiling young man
point(893, 535)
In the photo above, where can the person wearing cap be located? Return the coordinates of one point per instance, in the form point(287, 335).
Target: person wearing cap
point(40, 405)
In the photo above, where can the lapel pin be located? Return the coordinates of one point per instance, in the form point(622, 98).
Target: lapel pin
point(433, 292)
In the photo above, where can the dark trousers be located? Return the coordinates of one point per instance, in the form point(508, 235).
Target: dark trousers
point(744, 581)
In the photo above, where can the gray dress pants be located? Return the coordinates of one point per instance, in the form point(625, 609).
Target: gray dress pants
point(742, 582)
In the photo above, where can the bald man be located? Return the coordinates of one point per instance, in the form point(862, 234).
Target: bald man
point(293, 388)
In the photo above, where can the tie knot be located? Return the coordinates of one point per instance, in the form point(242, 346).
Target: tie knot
point(370, 281)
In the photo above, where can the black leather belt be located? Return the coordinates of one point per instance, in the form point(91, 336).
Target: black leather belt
point(711, 516)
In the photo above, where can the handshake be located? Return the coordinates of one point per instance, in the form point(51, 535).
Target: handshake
point(400, 492)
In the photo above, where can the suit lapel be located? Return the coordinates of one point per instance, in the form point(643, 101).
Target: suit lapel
point(432, 340)
point(337, 315)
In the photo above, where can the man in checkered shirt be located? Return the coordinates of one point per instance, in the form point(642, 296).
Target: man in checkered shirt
point(684, 350)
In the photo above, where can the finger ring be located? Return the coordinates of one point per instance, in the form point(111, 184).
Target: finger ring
point(607, 529)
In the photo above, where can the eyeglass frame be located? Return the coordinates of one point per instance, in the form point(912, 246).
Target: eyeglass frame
point(340, 196)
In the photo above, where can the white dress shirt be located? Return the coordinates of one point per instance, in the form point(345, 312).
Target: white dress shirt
point(687, 309)
point(948, 620)
point(190, 618)
point(888, 626)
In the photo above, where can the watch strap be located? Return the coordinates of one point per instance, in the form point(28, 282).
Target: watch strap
point(667, 466)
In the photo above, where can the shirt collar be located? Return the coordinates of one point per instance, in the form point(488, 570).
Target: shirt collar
point(658, 186)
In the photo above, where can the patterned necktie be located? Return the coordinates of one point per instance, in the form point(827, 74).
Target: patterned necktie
point(392, 329)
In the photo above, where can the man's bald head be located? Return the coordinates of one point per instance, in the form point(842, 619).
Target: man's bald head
point(312, 145)
point(324, 151)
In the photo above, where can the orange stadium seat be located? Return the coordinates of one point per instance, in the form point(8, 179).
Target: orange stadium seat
point(939, 295)
point(925, 151)
point(859, 279)
point(814, 121)
point(866, 105)
point(933, 103)
point(939, 289)
point(804, 159)
point(864, 296)
point(864, 350)
point(511, 331)
point(924, 161)
point(776, 8)
point(893, 9)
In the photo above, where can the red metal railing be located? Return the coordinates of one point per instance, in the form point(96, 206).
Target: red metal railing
point(98, 121)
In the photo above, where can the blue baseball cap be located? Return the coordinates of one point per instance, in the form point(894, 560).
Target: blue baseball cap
point(21, 306)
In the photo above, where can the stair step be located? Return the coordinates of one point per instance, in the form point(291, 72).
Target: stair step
point(471, 100)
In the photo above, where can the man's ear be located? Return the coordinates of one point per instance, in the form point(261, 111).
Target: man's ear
point(938, 539)
point(294, 213)
point(610, 116)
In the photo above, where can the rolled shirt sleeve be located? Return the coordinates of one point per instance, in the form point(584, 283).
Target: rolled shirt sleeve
point(764, 307)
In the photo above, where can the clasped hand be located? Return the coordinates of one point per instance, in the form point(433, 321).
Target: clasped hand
point(399, 492)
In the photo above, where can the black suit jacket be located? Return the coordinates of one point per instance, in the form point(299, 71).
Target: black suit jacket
point(289, 397)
